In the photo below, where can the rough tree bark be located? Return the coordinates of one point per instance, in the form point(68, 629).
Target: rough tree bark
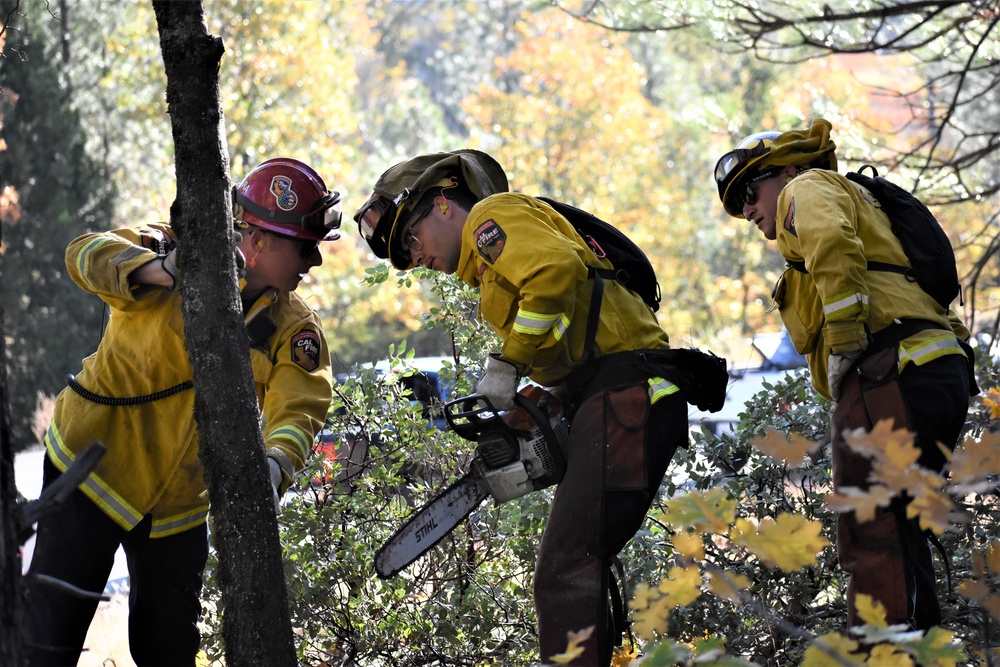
point(11, 652)
point(256, 624)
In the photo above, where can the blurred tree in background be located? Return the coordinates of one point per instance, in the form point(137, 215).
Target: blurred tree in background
point(618, 107)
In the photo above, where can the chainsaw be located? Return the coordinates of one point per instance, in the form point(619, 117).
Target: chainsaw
point(517, 452)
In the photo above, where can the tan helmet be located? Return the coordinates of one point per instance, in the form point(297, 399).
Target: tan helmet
point(755, 153)
point(399, 189)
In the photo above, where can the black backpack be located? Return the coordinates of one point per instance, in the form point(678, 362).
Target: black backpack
point(632, 267)
point(932, 259)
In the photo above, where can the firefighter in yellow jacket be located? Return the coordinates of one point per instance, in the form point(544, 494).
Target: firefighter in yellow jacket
point(451, 212)
point(135, 395)
point(876, 342)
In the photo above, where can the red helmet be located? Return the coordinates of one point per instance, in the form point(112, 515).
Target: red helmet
point(286, 196)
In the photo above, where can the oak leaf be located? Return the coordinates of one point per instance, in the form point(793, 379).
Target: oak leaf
point(992, 401)
point(832, 650)
point(682, 585)
point(728, 585)
point(870, 610)
point(885, 655)
point(974, 459)
point(862, 503)
point(573, 648)
point(791, 542)
point(933, 509)
point(792, 450)
point(936, 649)
point(689, 545)
point(713, 509)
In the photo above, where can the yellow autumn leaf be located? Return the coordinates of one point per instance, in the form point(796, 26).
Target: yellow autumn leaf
point(682, 585)
point(975, 459)
point(900, 451)
point(728, 585)
point(791, 542)
point(653, 620)
point(870, 610)
point(885, 655)
point(933, 509)
point(573, 648)
point(792, 450)
point(912, 479)
point(970, 589)
point(624, 656)
point(992, 401)
point(713, 510)
point(832, 650)
point(689, 545)
point(862, 503)
point(880, 439)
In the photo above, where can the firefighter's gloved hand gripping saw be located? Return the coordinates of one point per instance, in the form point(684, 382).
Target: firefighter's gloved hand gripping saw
point(517, 452)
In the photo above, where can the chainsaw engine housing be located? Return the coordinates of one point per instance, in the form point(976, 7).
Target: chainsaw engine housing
point(522, 450)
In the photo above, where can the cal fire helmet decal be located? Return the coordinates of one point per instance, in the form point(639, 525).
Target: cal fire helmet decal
point(281, 188)
point(490, 240)
point(305, 350)
point(790, 218)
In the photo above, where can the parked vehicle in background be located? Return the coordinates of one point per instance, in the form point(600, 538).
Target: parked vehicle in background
point(777, 358)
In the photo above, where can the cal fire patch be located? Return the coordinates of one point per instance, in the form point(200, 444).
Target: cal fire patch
point(790, 218)
point(305, 350)
point(281, 188)
point(490, 240)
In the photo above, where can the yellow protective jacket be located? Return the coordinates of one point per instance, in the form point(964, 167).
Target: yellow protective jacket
point(834, 227)
point(151, 465)
point(530, 266)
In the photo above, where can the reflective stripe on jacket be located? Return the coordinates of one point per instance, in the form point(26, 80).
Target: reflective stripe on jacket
point(530, 266)
point(835, 227)
point(151, 465)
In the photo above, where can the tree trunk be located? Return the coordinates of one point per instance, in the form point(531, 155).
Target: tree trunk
point(256, 625)
point(10, 563)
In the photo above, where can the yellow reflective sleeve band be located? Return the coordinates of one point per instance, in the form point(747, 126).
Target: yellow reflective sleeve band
point(103, 496)
point(929, 350)
point(177, 524)
point(843, 303)
point(537, 324)
point(83, 260)
point(658, 388)
point(296, 436)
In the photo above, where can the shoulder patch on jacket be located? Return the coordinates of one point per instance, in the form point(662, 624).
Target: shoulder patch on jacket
point(305, 349)
point(790, 219)
point(490, 240)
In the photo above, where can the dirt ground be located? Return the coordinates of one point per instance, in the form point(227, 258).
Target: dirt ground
point(107, 641)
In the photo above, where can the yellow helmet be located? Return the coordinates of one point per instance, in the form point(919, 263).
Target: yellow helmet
point(735, 167)
point(740, 166)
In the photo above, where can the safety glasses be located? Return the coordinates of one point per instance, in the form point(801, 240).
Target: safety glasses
point(736, 158)
point(752, 191)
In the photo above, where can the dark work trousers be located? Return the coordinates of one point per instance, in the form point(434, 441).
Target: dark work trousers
point(618, 451)
point(77, 543)
point(889, 557)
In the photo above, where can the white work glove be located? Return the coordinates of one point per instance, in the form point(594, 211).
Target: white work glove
point(170, 266)
point(499, 384)
point(275, 470)
point(170, 260)
point(837, 366)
